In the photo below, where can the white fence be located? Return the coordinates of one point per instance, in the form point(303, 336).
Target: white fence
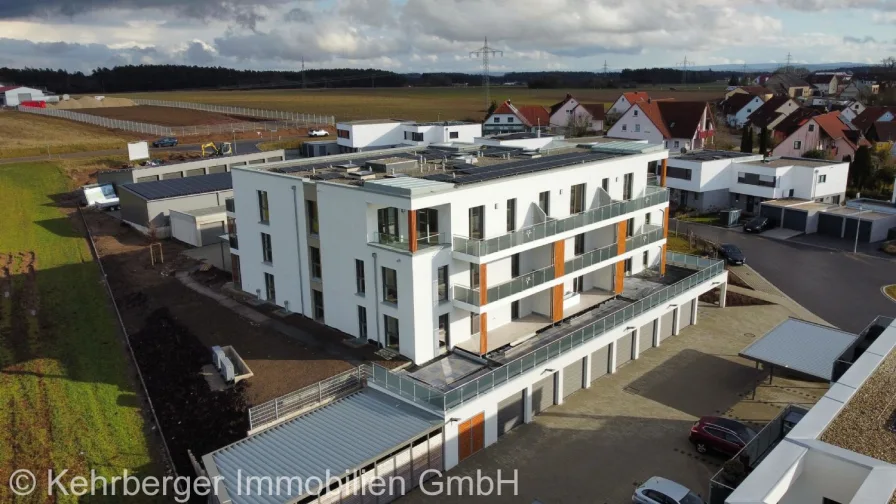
point(281, 115)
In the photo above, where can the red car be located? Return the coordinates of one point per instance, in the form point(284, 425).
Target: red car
point(721, 435)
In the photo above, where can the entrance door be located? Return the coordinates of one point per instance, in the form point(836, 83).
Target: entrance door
point(514, 310)
point(470, 436)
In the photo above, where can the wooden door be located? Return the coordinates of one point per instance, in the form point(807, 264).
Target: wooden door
point(470, 436)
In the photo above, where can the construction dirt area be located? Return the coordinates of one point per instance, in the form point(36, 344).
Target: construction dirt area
point(166, 116)
point(172, 329)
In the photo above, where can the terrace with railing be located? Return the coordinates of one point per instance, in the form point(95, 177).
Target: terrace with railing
point(437, 400)
point(403, 242)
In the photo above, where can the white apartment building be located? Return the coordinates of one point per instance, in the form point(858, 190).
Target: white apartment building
point(715, 180)
point(363, 135)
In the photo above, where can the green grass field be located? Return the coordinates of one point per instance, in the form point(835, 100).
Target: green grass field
point(66, 401)
point(421, 104)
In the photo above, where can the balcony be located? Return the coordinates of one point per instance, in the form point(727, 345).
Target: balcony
point(402, 243)
point(230, 205)
point(478, 248)
point(544, 275)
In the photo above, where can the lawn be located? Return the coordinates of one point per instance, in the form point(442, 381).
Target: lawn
point(66, 399)
point(24, 135)
point(681, 245)
point(421, 104)
point(890, 291)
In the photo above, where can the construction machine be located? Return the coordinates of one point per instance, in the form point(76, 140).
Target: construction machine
point(211, 149)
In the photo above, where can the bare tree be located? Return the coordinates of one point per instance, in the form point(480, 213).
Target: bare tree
point(578, 125)
point(888, 62)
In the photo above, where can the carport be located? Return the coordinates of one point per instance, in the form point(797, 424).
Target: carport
point(800, 346)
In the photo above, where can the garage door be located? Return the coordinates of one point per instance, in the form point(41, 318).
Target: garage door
point(543, 395)
point(573, 375)
point(645, 340)
point(830, 225)
point(865, 232)
point(773, 214)
point(151, 178)
point(209, 233)
point(600, 363)
point(685, 314)
point(217, 169)
point(172, 175)
point(849, 231)
point(624, 349)
point(795, 219)
point(666, 325)
point(510, 413)
point(195, 173)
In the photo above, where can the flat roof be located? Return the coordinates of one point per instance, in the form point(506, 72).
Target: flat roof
point(174, 188)
point(801, 346)
point(374, 121)
point(712, 155)
point(868, 215)
point(799, 204)
point(780, 162)
point(338, 438)
point(204, 212)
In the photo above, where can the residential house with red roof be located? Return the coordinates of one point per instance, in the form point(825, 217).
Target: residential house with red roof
point(510, 118)
point(675, 124)
point(625, 101)
point(772, 112)
point(824, 132)
point(570, 112)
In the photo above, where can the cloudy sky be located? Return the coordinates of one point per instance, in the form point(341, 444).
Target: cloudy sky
point(437, 35)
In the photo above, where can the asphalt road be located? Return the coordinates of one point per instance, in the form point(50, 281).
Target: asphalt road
point(838, 286)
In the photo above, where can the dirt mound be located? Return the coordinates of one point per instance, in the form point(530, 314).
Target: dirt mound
point(86, 102)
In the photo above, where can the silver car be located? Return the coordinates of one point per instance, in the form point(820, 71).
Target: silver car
point(658, 490)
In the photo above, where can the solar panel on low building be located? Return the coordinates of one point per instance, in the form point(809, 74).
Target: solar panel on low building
point(173, 188)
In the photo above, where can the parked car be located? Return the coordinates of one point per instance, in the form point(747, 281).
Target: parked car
point(658, 490)
point(756, 225)
point(731, 254)
point(165, 142)
point(318, 133)
point(722, 435)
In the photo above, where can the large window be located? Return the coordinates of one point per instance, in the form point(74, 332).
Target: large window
point(341, 133)
point(678, 173)
point(312, 217)
point(427, 226)
point(578, 284)
point(390, 324)
point(390, 285)
point(264, 214)
point(360, 283)
point(315, 263)
point(514, 265)
point(416, 137)
point(477, 222)
point(474, 324)
point(445, 329)
point(757, 180)
point(317, 300)
point(474, 276)
point(453, 135)
point(579, 244)
point(630, 228)
point(577, 199)
point(544, 202)
point(269, 290)
point(442, 283)
point(267, 250)
point(628, 186)
point(605, 185)
point(387, 223)
point(362, 322)
point(511, 215)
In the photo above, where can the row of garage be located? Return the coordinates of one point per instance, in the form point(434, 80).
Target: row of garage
point(829, 220)
point(511, 411)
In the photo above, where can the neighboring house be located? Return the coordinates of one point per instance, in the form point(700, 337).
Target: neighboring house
point(858, 88)
point(825, 132)
point(852, 110)
point(871, 115)
point(12, 96)
point(510, 118)
point(715, 180)
point(825, 83)
point(625, 101)
point(570, 110)
point(788, 84)
point(739, 107)
point(884, 135)
point(772, 112)
point(373, 134)
point(759, 91)
point(792, 122)
point(675, 124)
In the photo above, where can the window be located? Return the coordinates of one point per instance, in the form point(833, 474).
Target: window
point(362, 322)
point(341, 133)
point(514, 265)
point(797, 144)
point(360, 283)
point(416, 137)
point(811, 128)
point(474, 276)
point(757, 180)
point(544, 202)
point(452, 134)
point(269, 290)
point(635, 112)
point(474, 324)
point(628, 266)
point(427, 226)
point(696, 196)
point(391, 329)
point(835, 199)
point(387, 223)
point(678, 173)
point(442, 283)
point(390, 285)
point(315, 262)
point(267, 252)
point(605, 185)
point(264, 214)
point(510, 119)
point(579, 244)
point(628, 186)
point(645, 259)
point(647, 218)
point(317, 300)
point(578, 284)
point(497, 119)
point(511, 215)
point(477, 222)
point(637, 128)
point(630, 228)
point(444, 329)
point(790, 193)
point(312, 216)
point(624, 127)
point(822, 179)
point(577, 199)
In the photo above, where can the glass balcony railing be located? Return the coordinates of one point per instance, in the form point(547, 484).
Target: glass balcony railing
point(230, 205)
point(403, 243)
point(707, 269)
point(543, 275)
point(475, 247)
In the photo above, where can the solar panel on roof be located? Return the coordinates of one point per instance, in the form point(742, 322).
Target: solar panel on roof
point(327, 176)
point(173, 188)
point(483, 173)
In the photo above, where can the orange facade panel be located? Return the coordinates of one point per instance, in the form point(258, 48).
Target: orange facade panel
point(663, 174)
point(559, 257)
point(663, 261)
point(483, 333)
point(412, 230)
point(557, 303)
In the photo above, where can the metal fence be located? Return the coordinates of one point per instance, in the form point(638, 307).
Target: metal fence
point(320, 393)
point(158, 130)
point(274, 115)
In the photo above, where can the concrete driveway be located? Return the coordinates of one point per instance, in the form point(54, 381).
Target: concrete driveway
point(601, 443)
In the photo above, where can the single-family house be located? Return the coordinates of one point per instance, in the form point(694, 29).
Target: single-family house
point(884, 136)
point(788, 84)
point(871, 115)
point(570, 113)
point(825, 83)
point(759, 91)
point(739, 107)
point(824, 132)
point(852, 110)
point(676, 124)
point(510, 118)
point(625, 101)
point(858, 88)
point(772, 112)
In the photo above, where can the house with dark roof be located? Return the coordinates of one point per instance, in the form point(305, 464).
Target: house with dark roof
point(676, 124)
point(625, 101)
point(788, 84)
point(793, 122)
point(824, 132)
point(825, 83)
point(510, 118)
point(871, 115)
point(759, 91)
point(772, 112)
point(852, 110)
point(738, 108)
point(570, 112)
point(884, 136)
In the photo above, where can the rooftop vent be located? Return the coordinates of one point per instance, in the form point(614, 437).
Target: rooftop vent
point(348, 167)
point(362, 175)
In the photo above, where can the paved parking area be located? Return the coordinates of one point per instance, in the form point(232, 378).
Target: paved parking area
point(603, 442)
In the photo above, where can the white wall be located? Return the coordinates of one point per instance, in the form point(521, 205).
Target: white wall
point(635, 125)
point(184, 228)
point(620, 106)
point(371, 135)
point(825, 476)
point(740, 118)
point(562, 115)
point(12, 96)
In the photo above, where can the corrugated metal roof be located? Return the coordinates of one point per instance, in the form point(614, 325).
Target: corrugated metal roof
point(801, 346)
point(340, 437)
point(173, 188)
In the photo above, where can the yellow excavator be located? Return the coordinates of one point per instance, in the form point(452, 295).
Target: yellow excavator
point(211, 149)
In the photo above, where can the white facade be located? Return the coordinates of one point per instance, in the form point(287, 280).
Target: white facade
point(13, 97)
point(356, 136)
point(635, 125)
point(739, 118)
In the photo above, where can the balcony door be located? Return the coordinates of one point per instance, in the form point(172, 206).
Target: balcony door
point(428, 225)
point(477, 222)
point(387, 222)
